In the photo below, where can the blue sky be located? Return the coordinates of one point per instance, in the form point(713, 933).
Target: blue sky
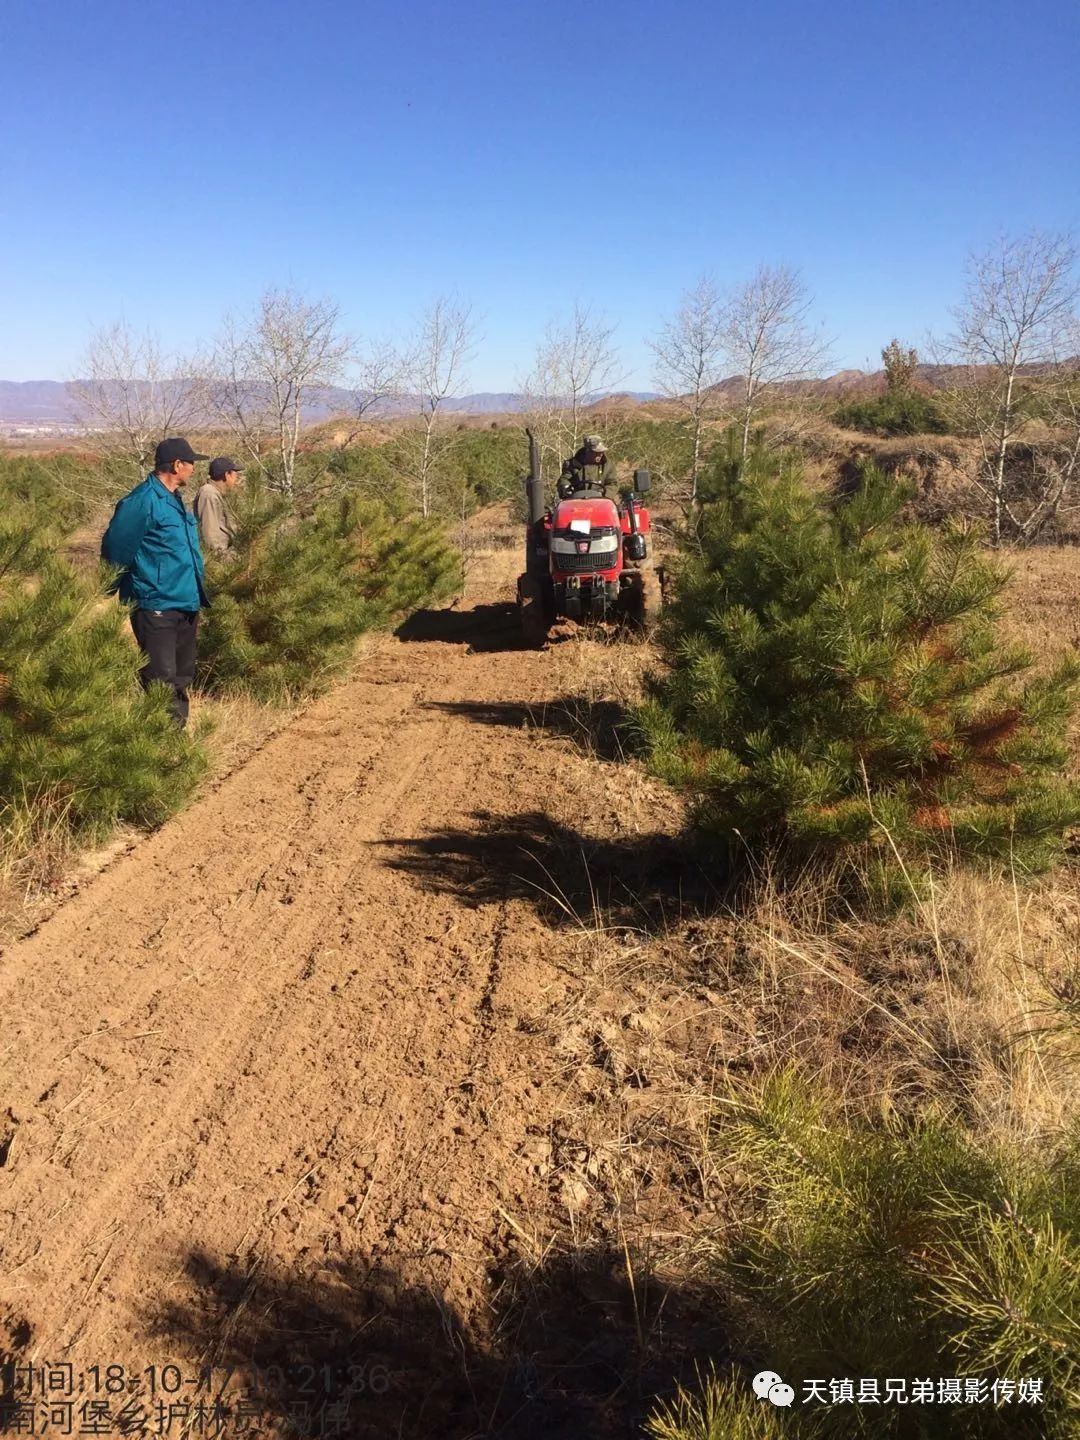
point(166, 162)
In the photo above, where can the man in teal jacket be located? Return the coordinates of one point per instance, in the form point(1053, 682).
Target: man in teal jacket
point(156, 541)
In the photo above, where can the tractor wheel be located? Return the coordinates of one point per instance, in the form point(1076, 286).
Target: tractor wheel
point(534, 622)
point(650, 597)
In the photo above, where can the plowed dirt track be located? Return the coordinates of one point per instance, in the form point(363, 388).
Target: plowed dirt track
point(277, 1082)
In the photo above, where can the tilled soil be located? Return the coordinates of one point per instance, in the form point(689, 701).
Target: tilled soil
point(278, 1084)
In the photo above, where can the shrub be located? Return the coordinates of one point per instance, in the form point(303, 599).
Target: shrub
point(907, 412)
point(664, 447)
point(892, 1249)
point(291, 600)
point(78, 738)
point(55, 490)
point(901, 367)
point(835, 684)
point(483, 466)
point(475, 468)
point(365, 469)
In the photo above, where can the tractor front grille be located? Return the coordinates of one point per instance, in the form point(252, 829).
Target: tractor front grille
point(570, 563)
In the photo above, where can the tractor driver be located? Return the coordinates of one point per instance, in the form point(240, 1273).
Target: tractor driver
point(585, 468)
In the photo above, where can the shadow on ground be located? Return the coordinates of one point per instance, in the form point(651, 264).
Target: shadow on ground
point(496, 626)
point(597, 727)
point(483, 627)
point(568, 1351)
point(642, 881)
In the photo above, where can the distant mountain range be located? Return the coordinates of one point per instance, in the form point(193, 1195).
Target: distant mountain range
point(47, 402)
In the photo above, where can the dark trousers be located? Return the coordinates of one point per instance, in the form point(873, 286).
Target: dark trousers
point(167, 639)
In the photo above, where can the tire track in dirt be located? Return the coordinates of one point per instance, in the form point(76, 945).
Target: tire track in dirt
point(261, 1043)
point(213, 1007)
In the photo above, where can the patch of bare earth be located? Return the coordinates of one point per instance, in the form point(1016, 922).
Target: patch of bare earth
point(1043, 606)
point(304, 1085)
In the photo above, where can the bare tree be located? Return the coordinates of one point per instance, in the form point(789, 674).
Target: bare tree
point(1011, 333)
point(267, 370)
point(576, 364)
point(434, 371)
point(689, 354)
point(767, 338)
point(375, 378)
point(131, 394)
point(1057, 458)
point(379, 377)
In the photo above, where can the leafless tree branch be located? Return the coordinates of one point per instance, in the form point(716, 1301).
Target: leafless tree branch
point(768, 338)
point(1015, 339)
point(576, 363)
point(131, 394)
point(434, 371)
point(688, 359)
point(266, 370)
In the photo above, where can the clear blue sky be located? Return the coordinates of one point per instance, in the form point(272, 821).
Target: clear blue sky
point(166, 162)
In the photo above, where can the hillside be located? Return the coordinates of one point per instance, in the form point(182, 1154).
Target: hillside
point(47, 402)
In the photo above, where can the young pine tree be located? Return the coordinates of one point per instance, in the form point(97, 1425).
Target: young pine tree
point(835, 684)
point(906, 1249)
point(901, 367)
point(291, 600)
point(80, 744)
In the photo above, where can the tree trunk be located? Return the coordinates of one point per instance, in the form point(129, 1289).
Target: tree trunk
point(425, 463)
point(748, 408)
point(999, 464)
point(696, 462)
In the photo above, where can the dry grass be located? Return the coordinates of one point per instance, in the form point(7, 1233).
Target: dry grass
point(35, 845)
point(1043, 599)
point(955, 1006)
point(969, 1003)
point(947, 1005)
point(42, 863)
point(240, 724)
point(598, 676)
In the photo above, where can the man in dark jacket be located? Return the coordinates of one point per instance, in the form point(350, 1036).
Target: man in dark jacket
point(585, 468)
point(154, 538)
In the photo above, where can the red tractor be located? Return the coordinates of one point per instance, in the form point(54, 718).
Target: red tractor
point(589, 557)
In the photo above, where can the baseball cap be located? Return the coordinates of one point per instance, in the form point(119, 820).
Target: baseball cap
point(176, 448)
point(220, 467)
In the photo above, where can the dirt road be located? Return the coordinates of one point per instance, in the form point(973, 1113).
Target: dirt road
point(278, 1087)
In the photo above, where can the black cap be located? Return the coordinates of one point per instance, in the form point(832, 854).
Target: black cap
point(175, 449)
point(220, 467)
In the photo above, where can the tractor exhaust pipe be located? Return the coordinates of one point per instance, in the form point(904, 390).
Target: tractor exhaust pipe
point(536, 561)
point(533, 484)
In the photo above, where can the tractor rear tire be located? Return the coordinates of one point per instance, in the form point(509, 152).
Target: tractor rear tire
point(534, 621)
point(650, 598)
